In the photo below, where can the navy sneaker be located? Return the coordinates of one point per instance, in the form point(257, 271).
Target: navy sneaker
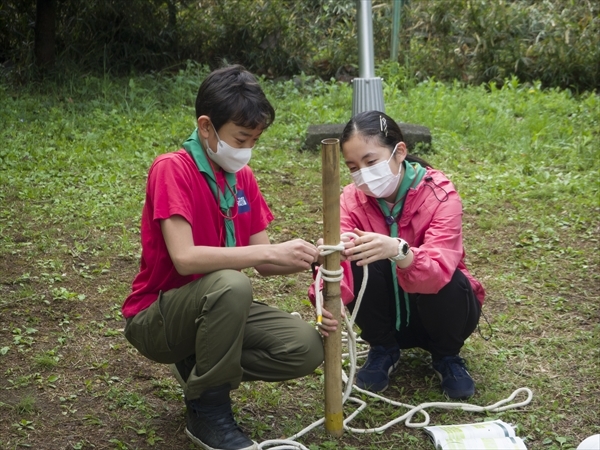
point(456, 381)
point(374, 375)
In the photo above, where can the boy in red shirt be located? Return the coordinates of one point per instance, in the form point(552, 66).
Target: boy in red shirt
point(203, 221)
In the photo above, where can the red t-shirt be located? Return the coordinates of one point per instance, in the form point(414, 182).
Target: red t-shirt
point(176, 187)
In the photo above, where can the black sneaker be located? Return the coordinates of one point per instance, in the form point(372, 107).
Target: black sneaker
point(210, 422)
point(456, 381)
point(374, 375)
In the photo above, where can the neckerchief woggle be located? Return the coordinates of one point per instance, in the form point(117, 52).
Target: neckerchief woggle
point(226, 199)
point(413, 173)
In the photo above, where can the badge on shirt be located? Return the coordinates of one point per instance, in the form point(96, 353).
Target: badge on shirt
point(242, 203)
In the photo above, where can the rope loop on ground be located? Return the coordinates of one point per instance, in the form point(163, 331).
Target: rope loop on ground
point(352, 340)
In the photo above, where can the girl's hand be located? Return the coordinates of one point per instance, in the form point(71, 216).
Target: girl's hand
point(370, 247)
point(348, 243)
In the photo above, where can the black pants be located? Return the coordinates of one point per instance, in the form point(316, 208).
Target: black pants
point(439, 323)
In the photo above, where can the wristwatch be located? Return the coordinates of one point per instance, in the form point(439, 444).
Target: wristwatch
point(403, 249)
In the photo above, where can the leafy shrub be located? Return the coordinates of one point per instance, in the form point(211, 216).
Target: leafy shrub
point(554, 41)
point(475, 41)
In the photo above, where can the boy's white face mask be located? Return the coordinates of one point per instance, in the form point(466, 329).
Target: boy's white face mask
point(377, 181)
point(229, 158)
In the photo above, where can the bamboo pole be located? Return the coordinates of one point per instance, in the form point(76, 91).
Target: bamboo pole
point(330, 159)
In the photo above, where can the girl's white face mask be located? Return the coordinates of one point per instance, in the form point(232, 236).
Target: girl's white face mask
point(378, 180)
point(229, 158)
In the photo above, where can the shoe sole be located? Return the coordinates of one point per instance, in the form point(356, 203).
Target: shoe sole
point(201, 444)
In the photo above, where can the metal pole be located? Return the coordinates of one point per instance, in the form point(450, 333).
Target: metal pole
point(330, 160)
point(367, 89)
point(366, 61)
point(395, 29)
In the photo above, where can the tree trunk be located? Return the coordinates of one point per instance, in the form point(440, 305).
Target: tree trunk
point(45, 33)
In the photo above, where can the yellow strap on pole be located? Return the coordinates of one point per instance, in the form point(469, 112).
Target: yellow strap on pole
point(330, 157)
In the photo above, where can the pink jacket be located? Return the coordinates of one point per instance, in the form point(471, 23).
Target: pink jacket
point(431, 223)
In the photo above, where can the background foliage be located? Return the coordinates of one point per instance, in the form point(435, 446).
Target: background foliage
point(475, 41)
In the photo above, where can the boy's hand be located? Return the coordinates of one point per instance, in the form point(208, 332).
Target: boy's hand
point(297, 253)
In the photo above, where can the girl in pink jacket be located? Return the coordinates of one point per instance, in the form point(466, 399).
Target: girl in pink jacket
point(408, 217)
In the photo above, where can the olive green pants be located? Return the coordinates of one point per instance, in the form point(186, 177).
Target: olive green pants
point(233, 338)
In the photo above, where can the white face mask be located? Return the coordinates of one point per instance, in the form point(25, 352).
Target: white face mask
point(229, 158)
point(377, 181)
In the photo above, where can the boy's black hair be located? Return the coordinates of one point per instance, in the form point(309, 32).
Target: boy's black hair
point(376, 125)
point(233, 94)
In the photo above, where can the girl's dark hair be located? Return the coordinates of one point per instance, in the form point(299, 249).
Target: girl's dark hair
point(233, 94)
point(378, 126)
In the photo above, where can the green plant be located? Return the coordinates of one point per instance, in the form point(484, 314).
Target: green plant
point(47, 359)
point(26, 405)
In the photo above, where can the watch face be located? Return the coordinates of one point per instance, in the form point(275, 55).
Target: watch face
point(405, 248)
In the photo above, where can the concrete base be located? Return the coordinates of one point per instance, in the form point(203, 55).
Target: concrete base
point(413, 134)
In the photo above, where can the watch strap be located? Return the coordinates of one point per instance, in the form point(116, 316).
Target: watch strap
point(403, 249)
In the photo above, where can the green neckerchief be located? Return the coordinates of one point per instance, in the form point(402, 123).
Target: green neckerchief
point(226, 199)
point(413, 173)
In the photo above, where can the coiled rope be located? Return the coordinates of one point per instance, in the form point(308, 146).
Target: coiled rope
point(352, 341)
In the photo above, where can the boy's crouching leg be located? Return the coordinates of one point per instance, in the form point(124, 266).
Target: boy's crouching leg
point(279, 346)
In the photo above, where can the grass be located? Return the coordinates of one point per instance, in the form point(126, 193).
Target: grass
point(72, 173)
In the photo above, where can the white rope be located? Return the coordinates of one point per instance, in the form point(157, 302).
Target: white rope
point(334, 276)
point(352, 340)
